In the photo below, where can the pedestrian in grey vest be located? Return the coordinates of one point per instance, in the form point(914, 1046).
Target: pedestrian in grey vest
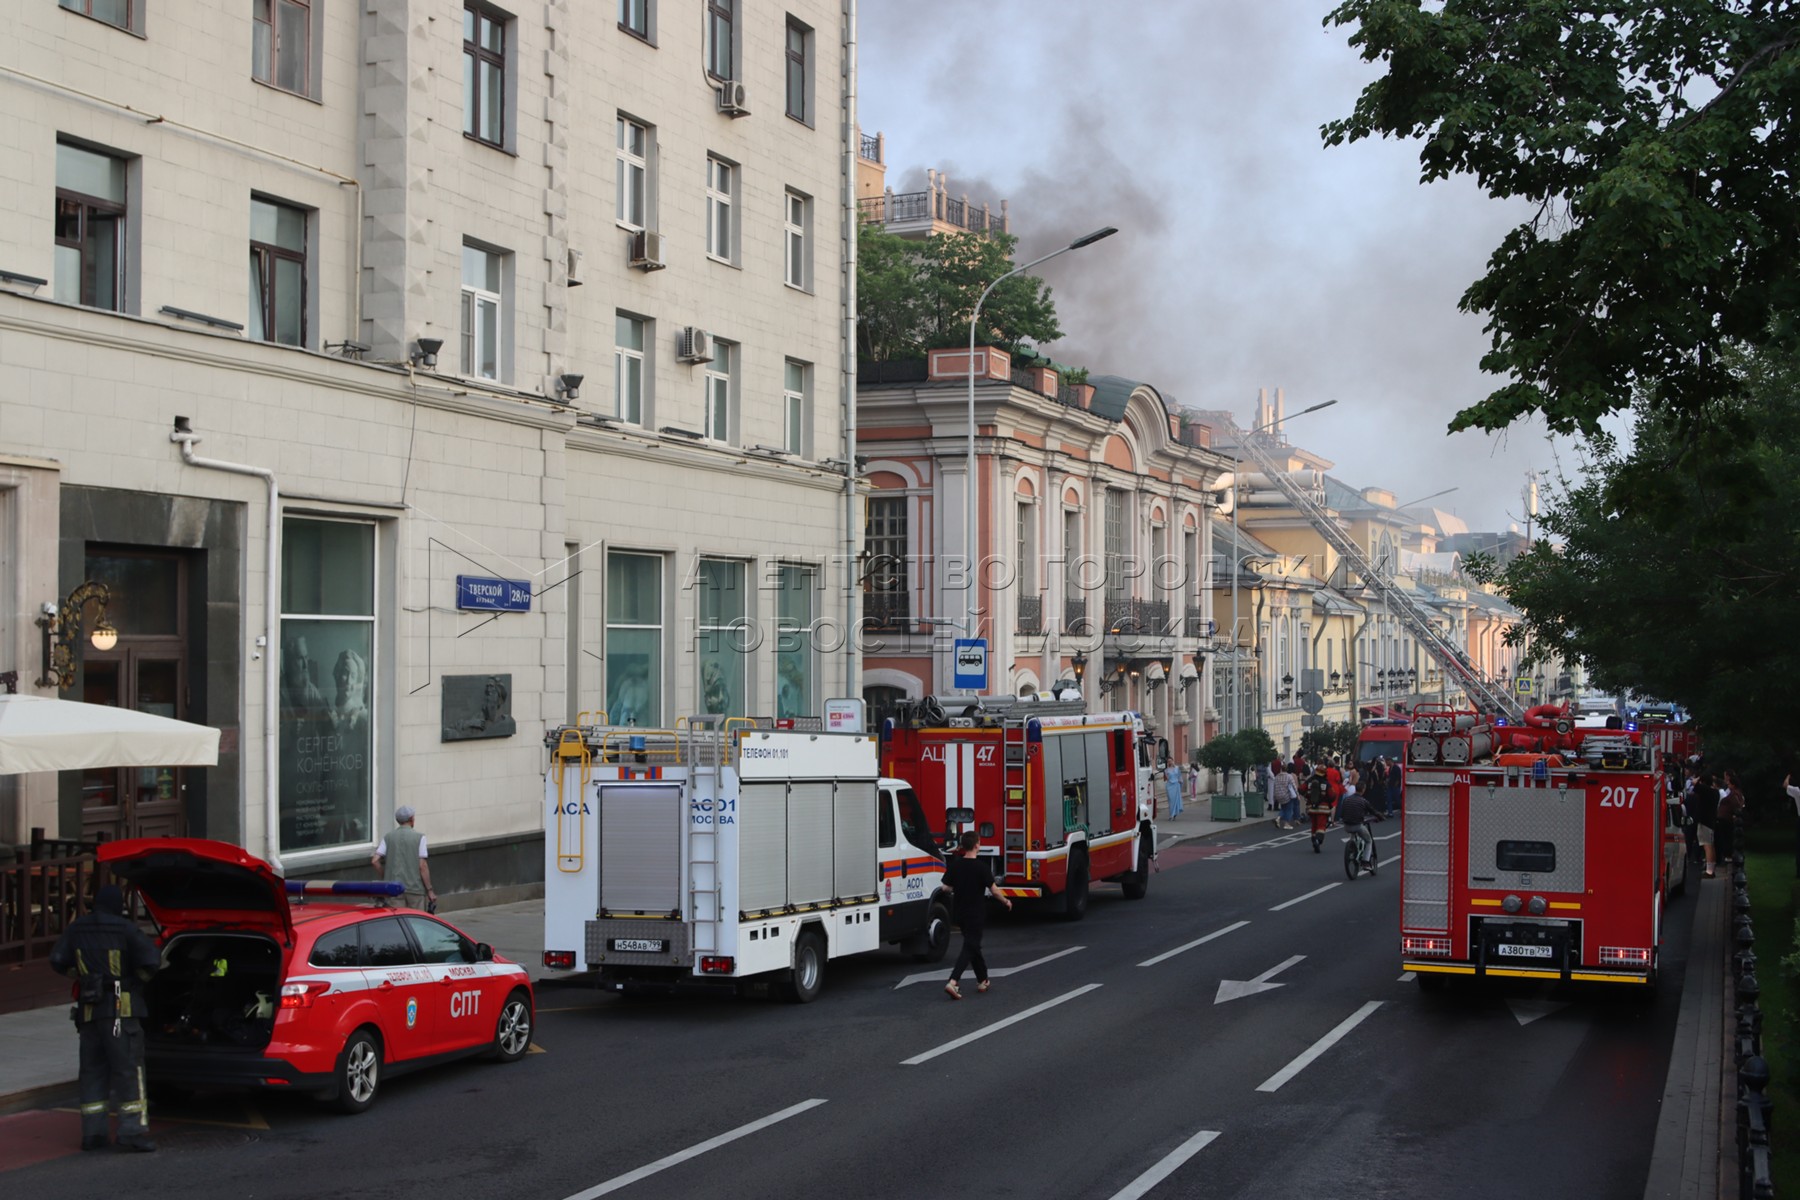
point(401, 859)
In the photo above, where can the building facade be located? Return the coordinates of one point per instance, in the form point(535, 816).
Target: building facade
point(308, 309)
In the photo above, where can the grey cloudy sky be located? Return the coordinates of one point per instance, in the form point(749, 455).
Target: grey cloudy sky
point(1249, 254)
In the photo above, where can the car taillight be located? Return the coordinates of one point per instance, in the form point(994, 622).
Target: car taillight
point(561, 960)
point(1624, 956)
point(300, 995)
point(1425, 945)
point(717, 965)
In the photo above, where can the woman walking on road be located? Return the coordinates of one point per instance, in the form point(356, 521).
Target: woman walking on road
point(1172, 787)
point(969, 882)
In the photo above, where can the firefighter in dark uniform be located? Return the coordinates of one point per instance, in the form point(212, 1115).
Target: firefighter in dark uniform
point(110, 960)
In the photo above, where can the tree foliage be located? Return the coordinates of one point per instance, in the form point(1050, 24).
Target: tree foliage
point(1689, 592)
point(1658, 143)
point(913, 296)
point(1330, 737)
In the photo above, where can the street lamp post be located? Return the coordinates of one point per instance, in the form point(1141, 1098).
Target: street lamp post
point(1237, 551)
point(969, 463)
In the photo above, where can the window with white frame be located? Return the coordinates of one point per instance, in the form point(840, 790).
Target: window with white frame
point(277, 273)
point(796, 239)
point(484, 74)
point(720, 383)
point(723, 636)
point(796, 385)
point(799, 71)
point(326, 772)
point(1024, 553)
point(633, 152)
point(638, 17)
point(634, 636)
point(628, 367)
point(90, 228)
point(721, 208)
point(482, 311)
point(795, 655)
point(281, 43)
point(721, 39)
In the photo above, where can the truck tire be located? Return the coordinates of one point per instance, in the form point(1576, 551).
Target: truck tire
point(1136, 884)
point(932, 944)
point(1075, 893)
point(807, 976)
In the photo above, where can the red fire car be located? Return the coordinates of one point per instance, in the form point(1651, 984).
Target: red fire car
point(327, 995)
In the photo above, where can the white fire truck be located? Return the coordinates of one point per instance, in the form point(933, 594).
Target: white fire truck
point(720, 853)
point(1535, 850)
point(1059, 798)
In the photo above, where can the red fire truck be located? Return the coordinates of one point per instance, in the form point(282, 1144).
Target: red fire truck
point(1059, 798)
point(1538, 850)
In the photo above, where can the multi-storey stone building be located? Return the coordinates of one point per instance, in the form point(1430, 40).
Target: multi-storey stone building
point(553, 292)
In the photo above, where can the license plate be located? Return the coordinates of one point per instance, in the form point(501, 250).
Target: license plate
point(1522, 950)
point(641, 945)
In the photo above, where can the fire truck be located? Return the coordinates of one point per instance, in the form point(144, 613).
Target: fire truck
point(1534, 850)
point(1059, 798)
point(719, 852)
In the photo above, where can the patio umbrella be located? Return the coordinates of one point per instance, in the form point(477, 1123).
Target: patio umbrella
point(38, 733)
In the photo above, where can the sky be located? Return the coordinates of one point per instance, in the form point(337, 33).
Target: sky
point(1249, 255)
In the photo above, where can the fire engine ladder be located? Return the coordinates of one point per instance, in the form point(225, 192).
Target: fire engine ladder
point(1484, 695)
point(705, 759)
point(1014, 840)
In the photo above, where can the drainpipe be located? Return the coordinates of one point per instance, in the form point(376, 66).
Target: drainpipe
point(848, 351)
point(184, 436)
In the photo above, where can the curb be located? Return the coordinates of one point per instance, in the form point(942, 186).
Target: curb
point(36, 1097)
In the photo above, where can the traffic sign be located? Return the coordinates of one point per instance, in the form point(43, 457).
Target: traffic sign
point(970, 673)
point(1312, 702)
point(1311, 722)
point(1523, 686)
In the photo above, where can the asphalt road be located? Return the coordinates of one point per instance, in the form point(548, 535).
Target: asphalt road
point(1108, 1066)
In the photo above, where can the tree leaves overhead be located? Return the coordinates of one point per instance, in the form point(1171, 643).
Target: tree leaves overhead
point(1658, 142)
point(913, 296)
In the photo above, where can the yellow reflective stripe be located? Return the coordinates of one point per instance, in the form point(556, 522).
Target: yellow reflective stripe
point(1486, 903)
point(98, 1106)
point(114, 966)
point(1564, 904)
point(125, 1004)
point(133, 1106)
point(80, 963)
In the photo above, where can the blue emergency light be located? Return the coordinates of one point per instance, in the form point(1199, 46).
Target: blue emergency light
point(343, 887)
point(1540, 769)
point(1499, 721)
point(637, 743)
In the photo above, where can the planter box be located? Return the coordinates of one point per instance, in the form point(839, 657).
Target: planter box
point(1227, 808)
point(1254, 804)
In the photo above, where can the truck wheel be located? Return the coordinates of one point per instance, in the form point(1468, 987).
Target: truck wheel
point(358, 1072)
point(934, 943)
point(1136, 884)
point(1075, 894)
point(807, 976)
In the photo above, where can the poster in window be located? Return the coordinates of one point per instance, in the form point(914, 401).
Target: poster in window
point(325, 736)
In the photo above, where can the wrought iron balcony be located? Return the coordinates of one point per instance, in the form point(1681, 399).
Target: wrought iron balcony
point(1075, 618)
point(1031, 614)
point(887, 610)
point(1145, 618)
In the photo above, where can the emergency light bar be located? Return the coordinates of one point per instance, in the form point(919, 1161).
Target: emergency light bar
point(343, 887)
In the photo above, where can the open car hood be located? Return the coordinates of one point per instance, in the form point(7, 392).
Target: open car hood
point(193, 883)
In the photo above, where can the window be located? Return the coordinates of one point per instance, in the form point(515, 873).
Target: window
point(719, 380)
point(1024, 560)
point(277, 273)
point(481, 312)
point(634, 173)
point(484, 75)
point(1159, 557)
point(799, 71)
point(636, 16)
point(721, 185)
point(113, 12)
point(634, 639)
point(722, 636)
point(885, 538)
point(90, 228)
point(385, 944)
point(797, 376)
point(794, 617)
point(1073, 587)
point(339, 948)
point(326, 754)
point(628, 368)
point(794, 233)
point(281, 43)
point(438, 943)
point(721, 35)
point(1116, 547)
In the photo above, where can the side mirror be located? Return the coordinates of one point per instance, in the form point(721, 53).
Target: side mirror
point(484, 952)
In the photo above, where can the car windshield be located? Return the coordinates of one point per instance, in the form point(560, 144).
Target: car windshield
point(1368, 752)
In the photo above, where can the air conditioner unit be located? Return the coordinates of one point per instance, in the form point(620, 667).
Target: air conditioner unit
point(694, 345)
point(647, 250)
point(732, 100)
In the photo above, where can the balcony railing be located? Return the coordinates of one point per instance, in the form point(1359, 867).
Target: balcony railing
point(887, 610)
point(1075, 618)
point(1031, 614)
point(1195, 625)
point(871, 148)
point(907, 207)
point(1146, 618)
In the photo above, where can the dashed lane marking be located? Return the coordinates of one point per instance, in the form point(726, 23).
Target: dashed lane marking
point(1167, 1166)
point(695, 1151)
point(1274, 1082)
point(1308, 896)
point(997, 1026)
point(995, 973)
point(1200, 941)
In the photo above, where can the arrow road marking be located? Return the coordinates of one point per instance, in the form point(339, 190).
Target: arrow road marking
point(995, 973)
point(1170, 1161)
point(1168, 954)
point(1274, 1082)
point(681, 1156)
point(1231, 989)
point(1308, 896)
point(1527, 1011)
point(997, 1026)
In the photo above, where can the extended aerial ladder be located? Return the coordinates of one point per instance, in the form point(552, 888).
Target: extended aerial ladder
point(1482, 694)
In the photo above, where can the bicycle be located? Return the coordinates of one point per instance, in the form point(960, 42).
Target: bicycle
point(1359, 851)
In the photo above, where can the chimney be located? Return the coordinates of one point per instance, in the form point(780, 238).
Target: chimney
point(1262, 408)
point(1280, 410)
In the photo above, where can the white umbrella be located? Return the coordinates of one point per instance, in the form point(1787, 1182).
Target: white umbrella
point(38, 733)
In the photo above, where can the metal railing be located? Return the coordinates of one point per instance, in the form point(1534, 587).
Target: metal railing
point(41, 893)
point(1146, 618)
point(1075, 618)
point(887, 610)
point(1031, 614)
point(902, 207)
point(871, 148)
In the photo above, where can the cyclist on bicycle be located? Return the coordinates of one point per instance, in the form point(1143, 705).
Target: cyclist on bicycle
point(1353, 814)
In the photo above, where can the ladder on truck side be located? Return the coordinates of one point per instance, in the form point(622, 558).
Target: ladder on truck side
point(706, 754)
point(1484, 695)
point(1014, 836)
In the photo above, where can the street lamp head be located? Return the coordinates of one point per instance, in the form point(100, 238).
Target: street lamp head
point(1093, 237)
point(1315, 408)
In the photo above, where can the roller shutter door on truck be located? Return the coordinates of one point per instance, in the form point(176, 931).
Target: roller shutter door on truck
point(640, 848)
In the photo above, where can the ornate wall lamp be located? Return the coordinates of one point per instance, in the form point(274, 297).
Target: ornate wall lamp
point(62, 632)
point(1078, 664)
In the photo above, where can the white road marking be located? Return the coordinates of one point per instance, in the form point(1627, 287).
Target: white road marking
point(1168, 954)
point(1232, 989)
point(681, 1156)
point(1274, 1082)
point(1388, 837)
point(1170, 1161)
point(1308, 896)
point(997, 1026)
point(994, 973)
point(1405, 977)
